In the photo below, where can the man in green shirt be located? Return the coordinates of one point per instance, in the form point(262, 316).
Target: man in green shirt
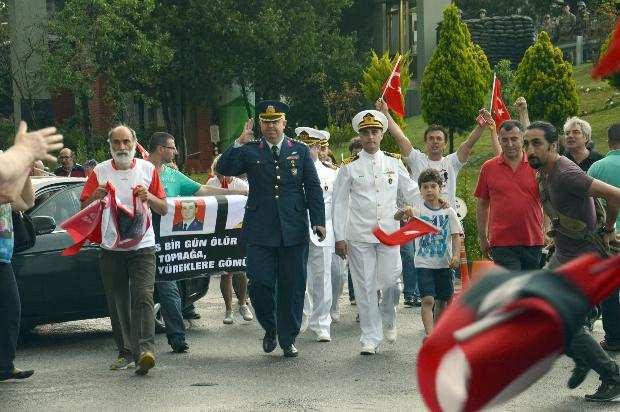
point(163, 150)
point(608, 171)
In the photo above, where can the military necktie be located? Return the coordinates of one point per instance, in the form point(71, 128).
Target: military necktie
point(275, 151)
point(184, 226)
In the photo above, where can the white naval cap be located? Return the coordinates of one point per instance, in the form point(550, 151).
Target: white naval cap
point(369, 118)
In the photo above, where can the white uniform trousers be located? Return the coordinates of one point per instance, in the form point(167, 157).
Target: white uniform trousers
point(375, 266)
point(318, 298)
point(337, 275)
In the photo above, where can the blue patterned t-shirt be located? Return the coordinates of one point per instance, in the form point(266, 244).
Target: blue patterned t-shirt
point(6, 233)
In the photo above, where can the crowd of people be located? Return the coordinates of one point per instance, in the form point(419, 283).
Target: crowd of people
point(309, 222)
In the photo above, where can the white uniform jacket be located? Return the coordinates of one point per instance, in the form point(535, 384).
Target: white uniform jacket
point(327, 176)
point(365, 195)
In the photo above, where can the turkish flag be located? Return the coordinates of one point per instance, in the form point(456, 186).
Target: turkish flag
point(143, 152)
point(415, 227)
point(500, 113)
point(610, 62)
point(392, 94)
point(505, 332)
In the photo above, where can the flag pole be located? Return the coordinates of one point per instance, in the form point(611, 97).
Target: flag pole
point(391, 75)
point(492, 94)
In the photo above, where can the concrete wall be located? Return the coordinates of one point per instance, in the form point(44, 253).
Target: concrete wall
point(24, 19)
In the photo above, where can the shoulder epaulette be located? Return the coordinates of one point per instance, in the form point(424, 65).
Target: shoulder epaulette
point(350, 159)
point(395, 155)
point(330, 165)
point(299, 141)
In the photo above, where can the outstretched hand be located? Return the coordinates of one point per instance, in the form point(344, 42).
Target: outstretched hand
point(39, 142)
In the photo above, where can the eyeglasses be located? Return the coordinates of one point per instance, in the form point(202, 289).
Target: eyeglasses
point(169, 147)
point(64, 157)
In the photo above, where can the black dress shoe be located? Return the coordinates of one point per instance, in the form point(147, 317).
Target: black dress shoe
point(291, 352)
point(15, 374)
point(269, 341)
point(606, 392)
point(578, 376)
point(179, 346)
point(191, 316)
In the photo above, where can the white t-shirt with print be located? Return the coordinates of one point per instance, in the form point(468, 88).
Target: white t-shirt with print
point(449, 168)
point(434, 251)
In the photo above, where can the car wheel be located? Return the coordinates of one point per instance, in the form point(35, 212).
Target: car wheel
point(160, 325)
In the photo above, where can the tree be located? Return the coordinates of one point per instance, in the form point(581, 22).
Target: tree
point(291, 48)
point(545, 79)
point(505, 74)
point(454, 86)
point(375, 76)
point(117, 41)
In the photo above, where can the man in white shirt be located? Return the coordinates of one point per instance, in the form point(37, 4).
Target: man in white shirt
point(128, 273)
point(365, 197)
point(435, 139)
point(318, 298)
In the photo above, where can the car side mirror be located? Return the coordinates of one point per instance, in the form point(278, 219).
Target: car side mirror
point(43, 224)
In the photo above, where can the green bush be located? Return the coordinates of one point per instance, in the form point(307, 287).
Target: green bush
point(546, 81)
point(465, 191)
point(505, 74)
point(456, 78)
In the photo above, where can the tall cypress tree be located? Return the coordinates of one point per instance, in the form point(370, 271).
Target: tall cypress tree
point(454, 86)
point(546, 81)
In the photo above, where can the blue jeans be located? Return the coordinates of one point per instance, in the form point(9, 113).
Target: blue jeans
point(410, 274)
point(10, 314)
point(170, 300)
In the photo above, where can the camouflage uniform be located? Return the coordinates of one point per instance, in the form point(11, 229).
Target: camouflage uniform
point(566, 28)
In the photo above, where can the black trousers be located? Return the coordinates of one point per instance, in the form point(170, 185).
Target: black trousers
point(10, 314)
point(277, 283)
point(517, 257)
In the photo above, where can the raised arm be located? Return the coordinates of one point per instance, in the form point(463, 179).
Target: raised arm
point(17, 160)
point(403, 143)
point(524, 116)
point(465, 148)
point(495, 147)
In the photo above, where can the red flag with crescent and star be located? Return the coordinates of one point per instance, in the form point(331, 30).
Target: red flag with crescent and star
point(500, 113)
point(392, 93)
point(415, 227)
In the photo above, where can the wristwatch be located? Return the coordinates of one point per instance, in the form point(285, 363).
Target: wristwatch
point(605, 229)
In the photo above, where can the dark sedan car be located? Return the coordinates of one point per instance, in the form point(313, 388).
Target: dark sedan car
point(56, 288)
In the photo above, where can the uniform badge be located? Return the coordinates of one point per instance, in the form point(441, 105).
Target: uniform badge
point(326, 188)
point(294, 171)
point(390, 180)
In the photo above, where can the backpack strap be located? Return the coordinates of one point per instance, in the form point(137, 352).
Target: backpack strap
point(566, 225)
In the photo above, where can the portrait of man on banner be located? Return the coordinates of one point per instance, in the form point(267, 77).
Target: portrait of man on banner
point(189, 215)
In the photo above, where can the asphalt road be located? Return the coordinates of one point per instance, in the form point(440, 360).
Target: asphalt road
point(226, 369)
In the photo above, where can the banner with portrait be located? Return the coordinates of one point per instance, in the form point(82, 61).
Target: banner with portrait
point(199, 236)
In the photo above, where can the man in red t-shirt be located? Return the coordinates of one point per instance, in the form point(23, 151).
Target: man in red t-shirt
point(509, 212)
point(128, 272)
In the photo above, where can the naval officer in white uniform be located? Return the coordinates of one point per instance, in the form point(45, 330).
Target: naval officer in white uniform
point(365, 197)
point(318, 297)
